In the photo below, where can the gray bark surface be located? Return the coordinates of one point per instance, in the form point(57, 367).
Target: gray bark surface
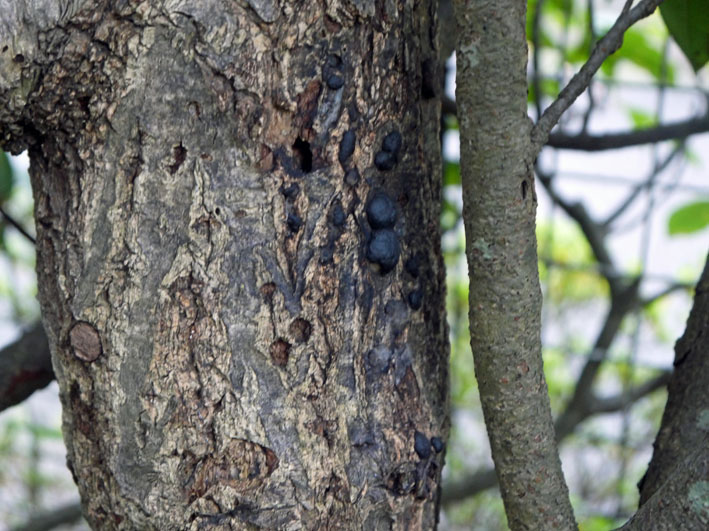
point(239, 343)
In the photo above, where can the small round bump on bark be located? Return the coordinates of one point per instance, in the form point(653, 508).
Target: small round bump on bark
point(347, 146)
point(352, 177)
point(422, 445)
point(383, 249)
point(381, 211)
point(294, 222)
point(438, 444)
point(392, 143)
point(416, 299)
point(85, 341)
point(335, 82)
point(338, 215)
point(384, 161)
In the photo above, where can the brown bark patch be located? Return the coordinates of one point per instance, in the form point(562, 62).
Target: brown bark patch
point(267, 290)
point(307, 109)
point(300, 330)
point(85, 341)
point(242, 465)
point(280, 350)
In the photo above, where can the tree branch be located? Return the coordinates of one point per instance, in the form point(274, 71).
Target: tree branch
point(588, 142)
point(499, 207)
point(17, 225)
point(660, 133)
point(67, 514)
point(610, 43)
point(25, 367)
point(621, 401)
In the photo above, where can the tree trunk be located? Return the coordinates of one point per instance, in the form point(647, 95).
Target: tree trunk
point(238, 256)
point(675, 488)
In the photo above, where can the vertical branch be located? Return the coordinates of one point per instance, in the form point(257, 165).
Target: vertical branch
point(505, 296)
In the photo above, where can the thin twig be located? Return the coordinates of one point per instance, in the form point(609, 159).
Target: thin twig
point(592, 43)
point(19, 227)
point(649, 182)
point(605, 47)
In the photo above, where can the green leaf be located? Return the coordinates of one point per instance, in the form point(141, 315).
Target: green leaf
point(692, 217)
point(7, 178)
point(644, 52)
point(451, 173)
point(688, 23)
point(642, 119)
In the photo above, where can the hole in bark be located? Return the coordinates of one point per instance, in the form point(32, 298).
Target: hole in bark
point(305, 156)
point(524, 189)
point(179, 153)
point(19, 58)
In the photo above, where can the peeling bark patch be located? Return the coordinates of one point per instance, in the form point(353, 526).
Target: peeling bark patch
point(300, 330)
point(307, 108)
point(407, 387)
point(279, 350)
point(179, 153)
point(83, 414)
point(242, 465)
point(85, 341)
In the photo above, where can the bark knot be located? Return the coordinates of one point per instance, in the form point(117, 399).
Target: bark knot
point(85, 341)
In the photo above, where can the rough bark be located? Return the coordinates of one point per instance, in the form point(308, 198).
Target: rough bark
point(675, 489)
point(241, 336)
point(505, 297)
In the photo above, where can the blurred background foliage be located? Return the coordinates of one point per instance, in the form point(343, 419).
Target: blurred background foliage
point(606, 454)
